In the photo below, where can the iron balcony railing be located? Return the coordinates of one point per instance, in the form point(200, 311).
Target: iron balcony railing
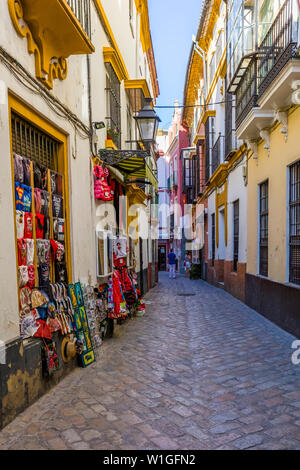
point(218, 153)
point(275, 51)
point(82, 11)
point(230, 135)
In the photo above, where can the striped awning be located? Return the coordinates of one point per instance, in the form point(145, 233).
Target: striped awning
point(131, 163)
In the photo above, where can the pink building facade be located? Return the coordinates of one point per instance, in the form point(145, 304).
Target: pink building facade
point(178, 137)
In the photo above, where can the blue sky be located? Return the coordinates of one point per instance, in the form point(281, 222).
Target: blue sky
point(173, 22)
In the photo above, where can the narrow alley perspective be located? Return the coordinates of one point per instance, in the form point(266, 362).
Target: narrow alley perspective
point(150, 229)
point(199, 371)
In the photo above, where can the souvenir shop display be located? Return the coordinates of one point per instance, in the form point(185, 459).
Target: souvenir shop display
point(102, 190)
point(50, 360)
point(82, 329)
point(120, 251)
point(92, 311)
point(44, 305)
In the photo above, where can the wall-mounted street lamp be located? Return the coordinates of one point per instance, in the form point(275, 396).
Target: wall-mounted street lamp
point(147, 122)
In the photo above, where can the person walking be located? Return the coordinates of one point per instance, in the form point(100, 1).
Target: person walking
point(172, 264)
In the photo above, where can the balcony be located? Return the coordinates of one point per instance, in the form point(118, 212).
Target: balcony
point(217, 153)
point(266, 84)
point(53, 33)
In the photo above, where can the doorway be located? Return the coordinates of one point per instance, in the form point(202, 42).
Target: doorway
point(162, 258)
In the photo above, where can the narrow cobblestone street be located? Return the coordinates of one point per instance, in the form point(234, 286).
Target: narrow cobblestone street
point(199, 371)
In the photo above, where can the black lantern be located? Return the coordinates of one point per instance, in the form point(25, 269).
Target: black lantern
point(147, 121)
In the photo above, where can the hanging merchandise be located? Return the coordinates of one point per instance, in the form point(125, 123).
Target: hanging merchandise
point(39, 225)
point(22, 252)
point(127, 286)
point(82, 328)
point(20, 224)
point(50, 358)
point(101, 188)
point(27, 171)
point(38, 200)
point(57, 206)
point(29, 325)
point(23, 276)
point(18, 168)
point(120, 251)
point(46, 233)
point(93, 315)
point(44, 203)
point(44, 274)
point(23, 197)
point(31, 276)
point(59, 229)
point(29, 252)
point(117, 299)
point(140, 306)
point(28, 227)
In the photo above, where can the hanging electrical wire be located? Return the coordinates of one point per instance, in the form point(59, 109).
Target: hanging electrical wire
point(192, 105)
point(21, 74)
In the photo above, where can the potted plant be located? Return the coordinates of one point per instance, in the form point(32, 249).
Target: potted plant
point(112, 133)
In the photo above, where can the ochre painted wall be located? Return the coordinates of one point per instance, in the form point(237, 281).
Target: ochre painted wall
point(273, 168)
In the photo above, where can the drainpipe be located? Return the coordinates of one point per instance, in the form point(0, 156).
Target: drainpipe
point(92, 140)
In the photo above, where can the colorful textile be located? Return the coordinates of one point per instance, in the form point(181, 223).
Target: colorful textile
point(20, 223)
point(39, 225)
point(28, 225)
point(23, 197)
point(29, 252)
point(22, 250)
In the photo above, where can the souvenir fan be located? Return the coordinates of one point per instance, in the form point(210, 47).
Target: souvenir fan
point(23, 276)
point(43, 330)
point(25, 297)
point(53, 324)
point(25, 312)
point(29, 326)
point(38, 298)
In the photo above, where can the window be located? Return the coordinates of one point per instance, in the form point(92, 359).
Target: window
point(113, 106)
point(295, 223)
point(129, 129)
point(213, 238)
point(236, 233)
point(104, 240)
point(212, 68)
point(263, 228)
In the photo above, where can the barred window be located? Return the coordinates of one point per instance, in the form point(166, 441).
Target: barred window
point(236, 233)
point(30, 142)
point(36, 157)
point(113, 106)
point(295, 223)
point(264, 229)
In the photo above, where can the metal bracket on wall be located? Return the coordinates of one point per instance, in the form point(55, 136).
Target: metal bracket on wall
point(282, 118)
point(265, 135)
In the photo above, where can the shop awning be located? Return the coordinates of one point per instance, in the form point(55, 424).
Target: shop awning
point(131, 163)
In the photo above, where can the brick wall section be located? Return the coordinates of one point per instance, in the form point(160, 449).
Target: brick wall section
point(215, 273)
point(235, 281)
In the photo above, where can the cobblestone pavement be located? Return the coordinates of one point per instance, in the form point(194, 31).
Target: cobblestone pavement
point(197, 372)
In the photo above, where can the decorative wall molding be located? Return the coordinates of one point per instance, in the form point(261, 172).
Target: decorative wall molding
point(253, 146)
point(282, 118)
point(265, 135)
point(52, 33)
